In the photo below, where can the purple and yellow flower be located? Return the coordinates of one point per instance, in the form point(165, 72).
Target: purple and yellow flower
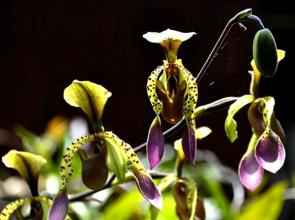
point(266, 149)
point(173, 93)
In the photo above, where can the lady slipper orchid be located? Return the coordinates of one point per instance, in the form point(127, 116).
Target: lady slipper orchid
point(118, 155)
point(173, 93)
point(266, 150)
point(250, 172)
point(270, 152)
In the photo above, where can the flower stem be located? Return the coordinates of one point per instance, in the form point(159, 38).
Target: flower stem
point(220, 41)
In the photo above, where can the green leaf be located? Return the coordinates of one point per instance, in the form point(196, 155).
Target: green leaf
point(266, 206)
point(126, 207)
point(230, 124)
point(28, 165)
point(116, 158)
point(88, 96)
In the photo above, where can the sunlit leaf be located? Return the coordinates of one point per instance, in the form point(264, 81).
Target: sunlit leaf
point(28, 165)
point(168, 210)
point(266, 206)
point(124, 208)
point(230, 125)
point(88, 96)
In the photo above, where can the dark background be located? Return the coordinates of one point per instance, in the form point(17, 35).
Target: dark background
point(47, 44)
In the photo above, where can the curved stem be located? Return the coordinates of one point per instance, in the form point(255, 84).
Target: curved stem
point(220, 41)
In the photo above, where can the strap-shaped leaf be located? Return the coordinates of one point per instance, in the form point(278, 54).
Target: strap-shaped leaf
point(230, 124)
point(88, 96)
point(267, 206)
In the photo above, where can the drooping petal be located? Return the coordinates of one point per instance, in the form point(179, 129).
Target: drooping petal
point(250, 172)
point(148, 189)
point(155, 143)
point(189, 144)
point(230, 124)
point(59, 208)
point(270, 152)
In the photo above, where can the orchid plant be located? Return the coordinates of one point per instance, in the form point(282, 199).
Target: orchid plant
point(108, 162)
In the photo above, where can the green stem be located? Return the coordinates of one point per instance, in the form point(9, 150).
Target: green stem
point(254, 85)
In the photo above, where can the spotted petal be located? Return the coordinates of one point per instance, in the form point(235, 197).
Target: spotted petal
point(59, 208)
point(250, 172)
point(155, 143)
point(270, 152)
point(148, 189)
point(189, 143)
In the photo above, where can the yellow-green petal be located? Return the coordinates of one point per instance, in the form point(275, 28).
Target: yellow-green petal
point(26, 164)
point(230, 124)
point(88, 96)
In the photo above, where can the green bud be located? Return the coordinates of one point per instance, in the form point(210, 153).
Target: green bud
point(265, 52)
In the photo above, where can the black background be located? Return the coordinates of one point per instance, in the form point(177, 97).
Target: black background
point(46, 44)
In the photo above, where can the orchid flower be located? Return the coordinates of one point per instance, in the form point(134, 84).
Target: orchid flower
point(29, 166)
point(114, 155)
point(173, 94)
point(266, 149)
